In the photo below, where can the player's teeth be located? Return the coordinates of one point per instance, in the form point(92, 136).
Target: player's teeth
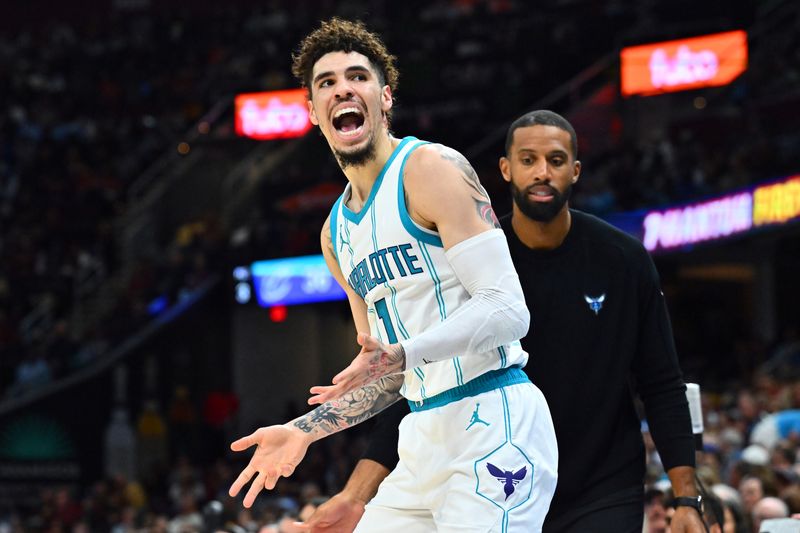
point(345, 110)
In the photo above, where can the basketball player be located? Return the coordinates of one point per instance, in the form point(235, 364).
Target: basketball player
point(437, 303)
point(602, 325)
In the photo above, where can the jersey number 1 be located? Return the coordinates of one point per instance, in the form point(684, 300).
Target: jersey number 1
point(383, 313)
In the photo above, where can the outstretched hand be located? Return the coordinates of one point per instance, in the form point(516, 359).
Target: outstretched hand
point(375, 361)
point(279, 450)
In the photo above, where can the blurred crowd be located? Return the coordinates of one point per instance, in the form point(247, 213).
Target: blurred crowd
point(749, 463)
point(173, 477)
point(30, 359)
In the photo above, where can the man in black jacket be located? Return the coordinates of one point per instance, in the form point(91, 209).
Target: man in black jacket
point(600, 331)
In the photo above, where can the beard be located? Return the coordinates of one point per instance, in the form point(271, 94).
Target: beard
point(357, 158)
point(540, 211)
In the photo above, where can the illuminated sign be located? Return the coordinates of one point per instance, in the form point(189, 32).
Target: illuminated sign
point(777, 203)
point(697, 223)
point(707, 61)
point(762, 205)
point(289, 281)
point(272, 115)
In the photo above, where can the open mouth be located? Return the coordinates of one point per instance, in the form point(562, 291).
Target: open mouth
point(542, 192)
point(348, 121)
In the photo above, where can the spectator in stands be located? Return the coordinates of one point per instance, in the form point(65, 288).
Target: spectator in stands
point(768, 507)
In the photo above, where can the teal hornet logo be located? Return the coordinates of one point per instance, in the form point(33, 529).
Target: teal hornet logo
point(476, 418)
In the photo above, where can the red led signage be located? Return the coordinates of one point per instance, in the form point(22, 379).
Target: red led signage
point(707, 61)
point(272, 115)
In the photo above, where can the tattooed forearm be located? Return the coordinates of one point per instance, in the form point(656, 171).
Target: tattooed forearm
point(352, 408)
point(486, 212)
point(467, 172)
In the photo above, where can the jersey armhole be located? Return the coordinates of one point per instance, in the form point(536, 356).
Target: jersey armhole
point(334, 226)
point(418, 232)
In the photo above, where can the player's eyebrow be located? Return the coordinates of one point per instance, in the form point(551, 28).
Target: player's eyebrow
point(348, 70)
point(551, 153)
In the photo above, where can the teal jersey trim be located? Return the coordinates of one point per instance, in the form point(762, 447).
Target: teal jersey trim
point(494, 379)
point(421, 375)
point(506, 425)
point(437, 283)
point(393, 300)
point(371, 311)
point(357, 217)
point(411, 227)
point(503, 357)
point(506, 415)
point(349, 247)
point(334, 226)
point(509, 440)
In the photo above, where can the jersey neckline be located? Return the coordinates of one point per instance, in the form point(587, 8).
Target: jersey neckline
point(357, 217)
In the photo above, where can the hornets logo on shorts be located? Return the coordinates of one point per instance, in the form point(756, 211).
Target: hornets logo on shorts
point(505, 476)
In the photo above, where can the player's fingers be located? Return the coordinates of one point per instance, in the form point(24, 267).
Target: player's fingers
point(287, 469)
point(322, 395)
point(255, 488)
point(312, 523)
point(319, 399)
point(273, 473)
point(368, 342)
point(243, 443)
point(318, 389)
point(342, 376)
point(362, 338)
point(241, 481)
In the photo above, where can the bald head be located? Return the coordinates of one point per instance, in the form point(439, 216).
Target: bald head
point(769, 507)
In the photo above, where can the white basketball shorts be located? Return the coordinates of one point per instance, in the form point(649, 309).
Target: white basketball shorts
point(481, 463)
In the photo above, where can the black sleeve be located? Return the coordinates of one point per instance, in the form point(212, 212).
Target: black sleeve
point(382, 447)
point(658, 375)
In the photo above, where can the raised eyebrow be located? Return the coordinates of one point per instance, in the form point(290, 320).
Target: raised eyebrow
point(321, 75)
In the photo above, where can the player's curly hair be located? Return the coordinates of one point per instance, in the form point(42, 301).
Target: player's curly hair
point(339, 35)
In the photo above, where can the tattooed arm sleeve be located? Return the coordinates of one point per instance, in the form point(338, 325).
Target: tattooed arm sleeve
point(351, 409)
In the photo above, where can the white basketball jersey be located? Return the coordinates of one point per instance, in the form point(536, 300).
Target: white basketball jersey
point(400, 270)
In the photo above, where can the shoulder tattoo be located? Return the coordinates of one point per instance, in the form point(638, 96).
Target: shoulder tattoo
point(470, 177)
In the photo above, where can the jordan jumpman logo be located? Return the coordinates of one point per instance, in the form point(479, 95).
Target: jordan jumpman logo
point(476, 418)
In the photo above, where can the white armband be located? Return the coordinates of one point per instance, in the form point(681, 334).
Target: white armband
point(495, 314)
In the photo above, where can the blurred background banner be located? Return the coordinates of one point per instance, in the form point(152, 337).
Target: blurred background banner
point(705, 61)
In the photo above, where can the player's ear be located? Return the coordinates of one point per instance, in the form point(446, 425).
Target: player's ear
point(505, 168)
point(312, 115)
point(386, 98)
point(576, 169)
